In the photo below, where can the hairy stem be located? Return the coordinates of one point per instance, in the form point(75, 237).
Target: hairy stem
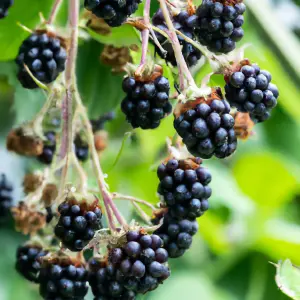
point(67, 105)
point(55, 9)
point(182, 66)
point(145, 37)
point(132, 199)
point(143, 215)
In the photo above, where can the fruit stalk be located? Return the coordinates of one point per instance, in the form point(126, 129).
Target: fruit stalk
point(182, 66)
point(55, 9)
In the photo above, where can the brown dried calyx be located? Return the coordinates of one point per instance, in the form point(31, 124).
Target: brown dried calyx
point(235, 67)
point(52, 34)
point(97, 24)
point(27, 220)
point(24, 141)
point(49, 194)
point(158, 214)
point(62, 259)
point(181, 108)
point(116, 57)
point(32, 182)
point(243, 125)
point(147, 73)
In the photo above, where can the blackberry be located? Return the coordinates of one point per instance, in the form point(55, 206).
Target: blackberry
point(177, 235)
point(114, 12)
point(220, 24)
point(207, 128)
point(49, 148)
point(185, 24)
point(107, 282)
point(45, 57)
point(28, 261)
point(250, 90)
point(4, 6)
point(99, 123)
point(184, 188)
point(146, 103)
point(61, 278)
point(77, 223)
point(81, 149)
point(5, 196)
point(142, 261)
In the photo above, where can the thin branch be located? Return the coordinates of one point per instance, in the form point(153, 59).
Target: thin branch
point(143, 215)
point(82, 175)
point(132, 199)
point(181, 63)
point(55, 9)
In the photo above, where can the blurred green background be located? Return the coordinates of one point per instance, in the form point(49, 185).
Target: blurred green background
point(254, 215)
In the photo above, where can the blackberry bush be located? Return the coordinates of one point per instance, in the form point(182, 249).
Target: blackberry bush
point(184, 188)
point(45, 57)
point(250, 90)
point(77, 223)
point(49, 148)
point(5, 196)
point(147, 102)
point(61, 278)
point(206, 127)
point(220, 24)
point(81, 148)
point(142, 261)
point(29, 261)
point(186, 24)
point(107, 281)
point(177, 235)
point(4, 7)
point(113, 12)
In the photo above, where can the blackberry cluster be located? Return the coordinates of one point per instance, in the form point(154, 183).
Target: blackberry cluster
point(142, 261)
point(63, 279)
point(4, 6)
point(28, 261)
point(220, 24)
point(146, 103)
point(177, 235)
point(49, 148)
point(99, 123)
point(114, 12)
point(5, 196)
point(77, 223)
point(45, 57)
point(185, 24)
point(185, 190)
point(250, 90)
point(81, 149)
point(208, 129)
point(108, 282)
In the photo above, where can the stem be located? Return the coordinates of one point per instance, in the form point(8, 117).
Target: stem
point(110, 217)
point(145, 37)
point(132, 199)
point(55, 9)
point(143, 215)
point(82, 175)
point(67, 109)
point(182, 66)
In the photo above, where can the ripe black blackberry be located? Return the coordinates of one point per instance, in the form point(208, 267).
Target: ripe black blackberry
point(77, 223)
point(5, 196)
point(185, 23)
point(184, 188)
point(177, 235)
point(107, 281)
point(220, 24)
point(61, 278)
point(44, 55)
point(49, 148)
point(147, 102)
point(28, 261)
point(206, 127)
point(250, 90)
point(81, 149)
point(4, 6)
point(142, 261)
point(114, 12)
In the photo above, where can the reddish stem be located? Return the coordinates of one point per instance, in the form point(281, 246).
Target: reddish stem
point(55, 8)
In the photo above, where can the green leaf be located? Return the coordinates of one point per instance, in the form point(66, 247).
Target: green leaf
point(288, 279)
point(265, 179)
point(11, 35)
point(100, 89)
point(124, 35)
